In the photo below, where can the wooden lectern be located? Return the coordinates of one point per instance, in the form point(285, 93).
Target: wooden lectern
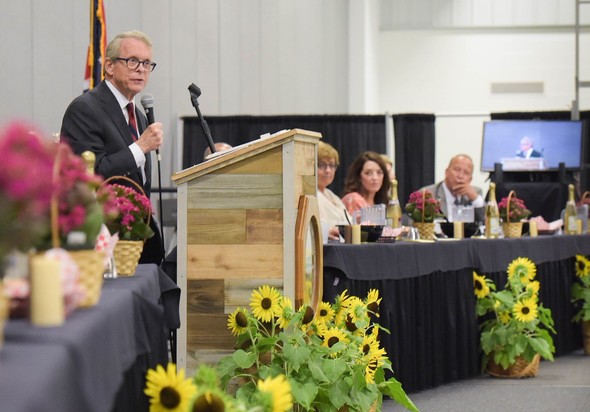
point(237, 215)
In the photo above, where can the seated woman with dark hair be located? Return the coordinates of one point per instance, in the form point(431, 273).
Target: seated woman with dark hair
point(366, 183)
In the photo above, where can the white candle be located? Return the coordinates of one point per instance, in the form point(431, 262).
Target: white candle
point(47, 300)
point(458, 230)
point(533, 232)
point(356, 234)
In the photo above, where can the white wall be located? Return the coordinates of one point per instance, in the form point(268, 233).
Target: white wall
point(303, 56)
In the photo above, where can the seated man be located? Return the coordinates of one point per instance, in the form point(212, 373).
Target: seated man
point(456, 189)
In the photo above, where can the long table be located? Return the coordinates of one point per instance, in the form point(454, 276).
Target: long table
point(428, 301)
point(97, 360)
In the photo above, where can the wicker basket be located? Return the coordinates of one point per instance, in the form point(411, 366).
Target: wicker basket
point(127, 254)
point(586, 336)
point(512, 229)
point(426, 230)
point(91, 266)
point(520, 369)
point(90, 262)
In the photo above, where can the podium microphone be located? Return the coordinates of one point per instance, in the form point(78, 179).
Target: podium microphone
point(147, 101)
point(195, 93)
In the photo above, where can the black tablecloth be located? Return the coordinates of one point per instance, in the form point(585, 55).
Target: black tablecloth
point(428, 301)
point(98, 359)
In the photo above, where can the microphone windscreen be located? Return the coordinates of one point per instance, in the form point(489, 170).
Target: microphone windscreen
point(147, 101)
point(193, 88)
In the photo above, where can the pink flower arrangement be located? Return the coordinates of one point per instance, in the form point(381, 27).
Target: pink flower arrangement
point(518, 210)
point(80, 208)
point(25, 187)
point(134, 210)
point(423, 206)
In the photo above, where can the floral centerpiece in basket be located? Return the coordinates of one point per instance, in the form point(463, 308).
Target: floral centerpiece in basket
point(423, 208)
point(581, 297)
point(512, 212)
point(515, 330)
point(298, 360)
point(131, 223)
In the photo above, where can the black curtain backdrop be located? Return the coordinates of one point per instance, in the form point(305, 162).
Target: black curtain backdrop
point(559, 115)
point(414, 152)
point(349, 134)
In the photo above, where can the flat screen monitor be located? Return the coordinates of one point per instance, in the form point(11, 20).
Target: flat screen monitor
point(531, 145)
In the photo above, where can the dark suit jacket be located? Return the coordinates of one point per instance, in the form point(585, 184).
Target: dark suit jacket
point(94, 121)
point(534, 153)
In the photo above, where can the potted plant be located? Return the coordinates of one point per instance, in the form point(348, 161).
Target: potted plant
point(581, 296)
point(423, 208)
point(512, 212)
point(131, 223)
point(332, 359)
point(515, 330)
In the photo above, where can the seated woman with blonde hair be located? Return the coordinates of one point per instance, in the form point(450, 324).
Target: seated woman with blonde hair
point(332, 210)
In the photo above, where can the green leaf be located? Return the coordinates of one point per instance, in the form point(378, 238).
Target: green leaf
point(333, 369)
point(303, 394)
point(394, 390)
point(317, 373)
point(244, 359)
point(296, 355)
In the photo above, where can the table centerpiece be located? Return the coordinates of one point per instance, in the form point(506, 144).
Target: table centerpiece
point(512, 212)
point(423, 208)
point(515, 330)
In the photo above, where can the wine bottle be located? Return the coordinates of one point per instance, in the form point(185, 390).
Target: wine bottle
point(394, 211)
point(571, 213)
point(492, 214)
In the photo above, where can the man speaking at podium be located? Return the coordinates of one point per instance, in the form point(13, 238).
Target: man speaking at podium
point(526, 149)
point(106, 121)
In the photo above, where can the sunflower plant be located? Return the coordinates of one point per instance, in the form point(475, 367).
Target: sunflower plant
point(581, 289)
point(331, 358)
point(516, 324)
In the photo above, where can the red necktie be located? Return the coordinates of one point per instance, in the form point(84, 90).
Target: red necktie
point(132, 122)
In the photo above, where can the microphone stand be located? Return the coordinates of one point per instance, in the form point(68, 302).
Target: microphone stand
point(160, 212)
point(195, 93)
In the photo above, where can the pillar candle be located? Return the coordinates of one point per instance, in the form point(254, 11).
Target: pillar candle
point(356, 234)
point(458, 230)
point(533, 232)
point(47, 300)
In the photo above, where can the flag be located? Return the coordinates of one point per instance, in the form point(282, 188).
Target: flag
point(97, 46)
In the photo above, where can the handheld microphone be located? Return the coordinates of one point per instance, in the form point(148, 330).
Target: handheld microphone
point(147, 101)
point(195, 93)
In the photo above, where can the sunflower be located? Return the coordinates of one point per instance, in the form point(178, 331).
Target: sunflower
point(237, 322)
point(525, 310)
point(523, 269)
point(357, 309)
point(285, 312)
point(325, 313)
point(279, 390)
point(332, 336)
point(341, 303)
point(533, 287)
point(504, 317)
point(373, 300)
point(168, 391)
point(480, 286)
point(582, 266)
point(209, 401)
point(264, 303)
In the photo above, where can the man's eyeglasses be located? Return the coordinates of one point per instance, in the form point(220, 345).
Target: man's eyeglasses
point(132, 63)
point(326, 166)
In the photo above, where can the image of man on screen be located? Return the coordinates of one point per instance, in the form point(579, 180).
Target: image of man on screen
point(527, 150)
